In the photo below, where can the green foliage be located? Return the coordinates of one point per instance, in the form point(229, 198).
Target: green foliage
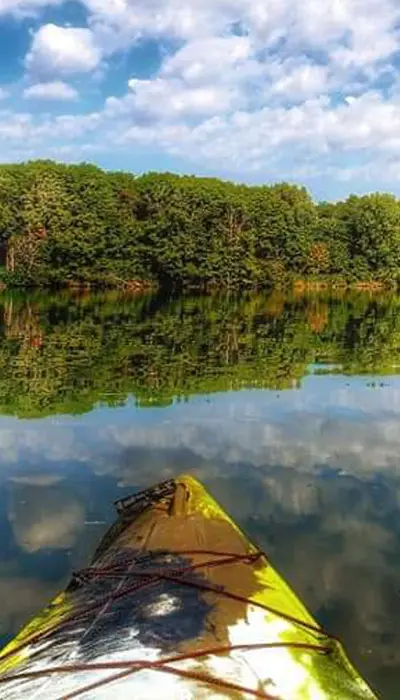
point(78, 225)
point(373, 226)
point(62, 354)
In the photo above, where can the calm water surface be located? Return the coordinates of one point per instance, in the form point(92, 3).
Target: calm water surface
point(287, 409)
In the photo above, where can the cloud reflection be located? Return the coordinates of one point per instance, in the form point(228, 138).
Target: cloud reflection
point(320, 491)
point(44, 517)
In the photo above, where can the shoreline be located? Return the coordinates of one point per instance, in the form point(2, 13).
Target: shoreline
point(299, 285)
point(304, 285)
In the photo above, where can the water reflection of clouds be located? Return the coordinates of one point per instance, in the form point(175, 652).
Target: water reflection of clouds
point(313, 475)
point(290, 429)
point(44, 517)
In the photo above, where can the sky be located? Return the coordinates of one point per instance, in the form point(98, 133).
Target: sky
point(248, 90)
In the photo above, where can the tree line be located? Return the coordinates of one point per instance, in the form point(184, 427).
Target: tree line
point(59, 354)
point(77, 224)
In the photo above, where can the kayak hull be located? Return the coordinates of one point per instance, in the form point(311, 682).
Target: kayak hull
point(177, 603)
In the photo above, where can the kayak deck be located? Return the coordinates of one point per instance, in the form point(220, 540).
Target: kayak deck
point(177, 603)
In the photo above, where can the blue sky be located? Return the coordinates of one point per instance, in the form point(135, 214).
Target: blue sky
point(250, 90)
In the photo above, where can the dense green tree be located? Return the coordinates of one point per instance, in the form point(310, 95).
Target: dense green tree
point(332, 231)
point(373, 229)
point(284, 219)
point(76, 224)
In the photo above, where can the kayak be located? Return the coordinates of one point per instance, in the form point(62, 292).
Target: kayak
point(177, 604)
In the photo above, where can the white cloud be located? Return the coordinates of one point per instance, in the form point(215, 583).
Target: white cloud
point(204, 78)
point(25, 136)
point(313, 130)
point(277, 89)
point(64, 50)
point(267, 100)
point(3, 93)
point(164, 114)
point(56, 90)
point(202, 60)
point(158, 97)
point(121, 23)
point(300, 23)
point(300, 81)
point(374, 38)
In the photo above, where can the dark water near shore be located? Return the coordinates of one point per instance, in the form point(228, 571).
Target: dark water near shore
point(287, 408)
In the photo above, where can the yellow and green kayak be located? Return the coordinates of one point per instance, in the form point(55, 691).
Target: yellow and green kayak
point(177, 604)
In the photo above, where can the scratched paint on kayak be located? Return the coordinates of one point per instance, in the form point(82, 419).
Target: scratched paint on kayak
point(177, 602)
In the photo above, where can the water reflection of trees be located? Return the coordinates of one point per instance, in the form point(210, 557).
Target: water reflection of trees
point(60, 354)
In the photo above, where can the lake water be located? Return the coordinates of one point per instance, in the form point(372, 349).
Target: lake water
point(288, 409)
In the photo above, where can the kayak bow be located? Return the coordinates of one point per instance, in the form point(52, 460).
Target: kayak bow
point(178, 604)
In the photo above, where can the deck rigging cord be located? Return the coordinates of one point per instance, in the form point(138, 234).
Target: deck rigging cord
point(148, 578)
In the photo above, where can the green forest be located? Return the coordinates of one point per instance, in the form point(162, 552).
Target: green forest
point(66, 353)
point(78, 225)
